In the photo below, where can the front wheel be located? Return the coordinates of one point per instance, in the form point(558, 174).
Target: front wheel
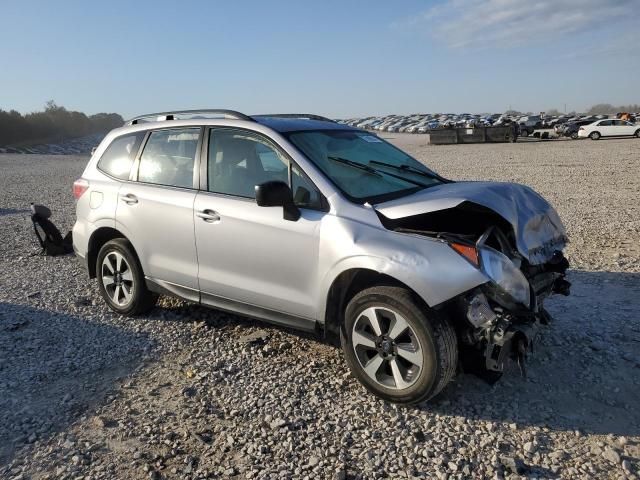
point(594, 135)
point(397, 347)
point(637, 134)
point(121, 281)
point(574, 135)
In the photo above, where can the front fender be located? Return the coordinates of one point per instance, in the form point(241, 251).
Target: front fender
point(430, 267)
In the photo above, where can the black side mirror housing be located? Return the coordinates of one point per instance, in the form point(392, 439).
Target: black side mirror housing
point(277, 194)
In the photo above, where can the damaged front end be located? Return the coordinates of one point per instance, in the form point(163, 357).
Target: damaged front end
point(516, 240)
point(501, 319)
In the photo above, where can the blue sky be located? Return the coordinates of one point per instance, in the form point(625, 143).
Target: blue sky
point(336, 58)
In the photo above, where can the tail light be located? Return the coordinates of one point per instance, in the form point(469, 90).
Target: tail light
point(79, 187)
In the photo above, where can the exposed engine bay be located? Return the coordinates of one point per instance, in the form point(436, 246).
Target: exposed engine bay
point(522, 258)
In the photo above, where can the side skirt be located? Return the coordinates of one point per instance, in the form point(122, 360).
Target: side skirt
point(253, 311)
point(221, 303)
point(172, 290)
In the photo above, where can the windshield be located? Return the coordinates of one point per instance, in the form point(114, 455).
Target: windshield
point(363, 166)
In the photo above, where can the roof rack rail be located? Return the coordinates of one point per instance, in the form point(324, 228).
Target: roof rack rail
point(309, 116)
point(171, 115)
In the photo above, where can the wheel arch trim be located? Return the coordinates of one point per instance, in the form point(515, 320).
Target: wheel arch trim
point(415, 274)
point(98, 238)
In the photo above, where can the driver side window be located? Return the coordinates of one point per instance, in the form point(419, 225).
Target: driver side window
point(240, 160)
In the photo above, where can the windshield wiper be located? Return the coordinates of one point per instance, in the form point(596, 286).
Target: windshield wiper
point(353, 164)
point(373, 171)
point(406, 168)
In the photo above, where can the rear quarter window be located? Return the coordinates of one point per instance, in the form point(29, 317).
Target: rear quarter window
point(118, 158)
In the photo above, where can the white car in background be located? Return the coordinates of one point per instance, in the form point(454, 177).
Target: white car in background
point(609, 128)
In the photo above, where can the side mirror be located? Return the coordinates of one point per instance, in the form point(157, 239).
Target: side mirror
point(277, 194)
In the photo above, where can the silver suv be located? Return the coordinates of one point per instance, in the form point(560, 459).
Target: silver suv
point(308, 223)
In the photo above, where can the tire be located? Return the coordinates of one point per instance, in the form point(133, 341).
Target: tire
point(121, 280)
point(524, 133)
point(428, 339)
point(637, 134)
point(574, 135)
point(594, 135)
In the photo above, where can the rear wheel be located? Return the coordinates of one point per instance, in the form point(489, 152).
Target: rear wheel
point(594, 135)
point(121, 280)
point(574, 135)
point(524, 133)
point(397, 347)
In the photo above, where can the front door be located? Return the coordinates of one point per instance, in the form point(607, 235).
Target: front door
point(250, 258)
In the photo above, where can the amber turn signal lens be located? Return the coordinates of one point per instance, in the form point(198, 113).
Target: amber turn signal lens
point(470, 253)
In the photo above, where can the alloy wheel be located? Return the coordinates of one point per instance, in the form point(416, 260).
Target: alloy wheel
point(387, 348)
point(117, 278)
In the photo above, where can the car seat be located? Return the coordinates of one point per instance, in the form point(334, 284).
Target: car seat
point(237, 168)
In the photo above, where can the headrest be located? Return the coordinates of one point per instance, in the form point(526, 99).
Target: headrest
point(234, 150)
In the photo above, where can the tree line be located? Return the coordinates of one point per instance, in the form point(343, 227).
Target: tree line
point(52, 125)
point(606, 108)
point(599, 109)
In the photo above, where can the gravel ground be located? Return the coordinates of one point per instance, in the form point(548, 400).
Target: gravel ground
point(188, 392)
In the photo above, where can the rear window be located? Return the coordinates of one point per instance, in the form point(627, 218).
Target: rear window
point(118, 158)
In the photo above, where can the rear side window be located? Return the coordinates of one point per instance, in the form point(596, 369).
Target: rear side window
point(120, 154)
point(169, 156)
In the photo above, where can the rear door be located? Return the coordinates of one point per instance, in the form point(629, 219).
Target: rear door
point(155, 208)
point(113, 170)
point(250, 258)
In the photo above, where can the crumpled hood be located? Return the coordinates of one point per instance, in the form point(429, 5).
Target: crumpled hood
point(539, 230)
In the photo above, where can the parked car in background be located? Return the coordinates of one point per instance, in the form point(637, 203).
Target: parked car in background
point(571, 129)
point(525, 130)
point(423, 122)
point(609, 128)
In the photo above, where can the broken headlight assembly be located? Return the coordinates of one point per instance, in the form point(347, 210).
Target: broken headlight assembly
point(505, 275)
point(509, 282)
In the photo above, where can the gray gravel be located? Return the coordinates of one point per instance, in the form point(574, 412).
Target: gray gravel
point(188, 392)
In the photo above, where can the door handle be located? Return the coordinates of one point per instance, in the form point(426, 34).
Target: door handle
point(129, 199)
point(209, 216)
